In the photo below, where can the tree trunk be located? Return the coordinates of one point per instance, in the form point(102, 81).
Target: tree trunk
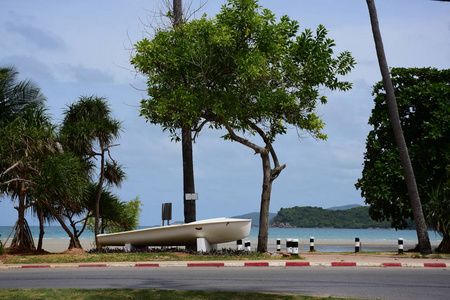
point(99, 195)
point(188, 175)
point(41, 227)
point(444, 246)
point(186, 143)
point(74, 241)
point(23, 238)
point(419, 219)
point(263, 234)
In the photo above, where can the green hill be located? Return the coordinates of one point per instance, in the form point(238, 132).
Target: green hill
point(317, 217)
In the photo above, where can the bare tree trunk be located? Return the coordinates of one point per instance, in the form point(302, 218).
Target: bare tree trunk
point(186, 144)
point(419, 219)
point(22, 237)
point(41, 227)
point(74, 241)
point(263, 234)
point(99, 195)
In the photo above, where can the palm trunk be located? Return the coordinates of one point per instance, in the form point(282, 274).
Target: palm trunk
point(41, 227)
point(74, 241)
point(419, 219)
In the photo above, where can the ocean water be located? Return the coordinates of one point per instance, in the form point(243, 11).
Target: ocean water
point(326, 239)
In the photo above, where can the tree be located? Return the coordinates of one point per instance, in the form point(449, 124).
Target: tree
point(424, 245)
point(424, 112)
point(89, 131)
point(16, 95)
point(244, 72)
point(25, 145)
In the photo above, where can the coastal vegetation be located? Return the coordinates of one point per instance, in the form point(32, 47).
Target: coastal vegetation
point(423, 96)
point(49, 168)
point(245, 72)
point(317, 217)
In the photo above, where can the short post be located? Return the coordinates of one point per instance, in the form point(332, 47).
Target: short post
point(239, 244)
point(311, 244)
point(248, 246)
point(295, 246)
point(357, 245)
point(400, 246)
point(288, 245)
point(278, 245)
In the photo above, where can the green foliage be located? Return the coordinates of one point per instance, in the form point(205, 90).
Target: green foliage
point(317, 217)
point(423, 96)
point(243, 67)
point(16, 96)
point(115, 215)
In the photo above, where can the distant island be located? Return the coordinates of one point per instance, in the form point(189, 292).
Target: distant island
point(349, 216)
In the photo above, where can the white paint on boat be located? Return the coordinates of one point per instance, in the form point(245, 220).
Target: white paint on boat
point(215, 231)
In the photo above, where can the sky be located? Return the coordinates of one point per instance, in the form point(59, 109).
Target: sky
point(82, 48)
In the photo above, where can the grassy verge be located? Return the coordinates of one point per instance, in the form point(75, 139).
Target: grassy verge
point(79, 294)
point(134, 257)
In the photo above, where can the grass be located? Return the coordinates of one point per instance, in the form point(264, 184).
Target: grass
point(78, 294)
point(137, 257)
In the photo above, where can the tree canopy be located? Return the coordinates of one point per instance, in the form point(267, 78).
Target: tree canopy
point(246, 72)
point(423, 103)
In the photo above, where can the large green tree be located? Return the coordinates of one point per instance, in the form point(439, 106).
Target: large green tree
point(416, 205)
point(423, 96)
point(246, 72)
point(89, 131)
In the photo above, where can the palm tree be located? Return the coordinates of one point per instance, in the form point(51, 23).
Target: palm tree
point(424, 245)
point(89, 131)
point(26, 143)
point(16, 95)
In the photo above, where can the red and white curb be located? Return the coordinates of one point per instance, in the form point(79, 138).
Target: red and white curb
point(236, 264)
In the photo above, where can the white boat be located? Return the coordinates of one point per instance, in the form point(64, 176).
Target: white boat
point(214, 231)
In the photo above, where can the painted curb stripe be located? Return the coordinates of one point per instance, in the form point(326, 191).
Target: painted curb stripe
point(146, 265)
point(297, 264)
point(256, 264)
point(343, 264)
point(391, 264)
point(435, 265)
point(38, 266)
point(205, 264)
point(88, 266)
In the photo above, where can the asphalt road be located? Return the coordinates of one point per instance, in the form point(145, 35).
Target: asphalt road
point(371, 283)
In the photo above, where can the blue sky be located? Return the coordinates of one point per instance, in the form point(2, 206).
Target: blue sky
point(75, 48)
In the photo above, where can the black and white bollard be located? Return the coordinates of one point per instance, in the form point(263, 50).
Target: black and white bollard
point(289, 245)
point(278, 245)
point(295, 246)
point(239, 244)
point(311, 244)
point(357, 245)
point(400, 246)
point(248, 246)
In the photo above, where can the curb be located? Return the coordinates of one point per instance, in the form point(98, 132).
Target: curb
point(197, 264)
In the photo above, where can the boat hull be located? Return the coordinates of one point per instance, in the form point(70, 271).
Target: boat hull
point(215, 231)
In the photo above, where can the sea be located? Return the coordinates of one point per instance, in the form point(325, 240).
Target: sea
point(325, 239)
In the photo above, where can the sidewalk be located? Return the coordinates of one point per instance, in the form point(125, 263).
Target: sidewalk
point(309, 260)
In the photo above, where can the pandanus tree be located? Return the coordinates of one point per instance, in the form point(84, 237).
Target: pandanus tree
point(89, 131)
point(245, 72)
